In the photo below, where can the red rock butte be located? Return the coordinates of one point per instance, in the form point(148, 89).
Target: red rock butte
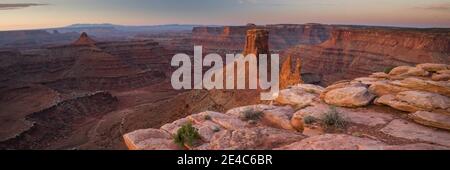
point(84, 40)
point(257, 42)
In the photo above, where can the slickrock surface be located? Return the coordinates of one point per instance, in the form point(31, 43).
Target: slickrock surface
point(296, 120)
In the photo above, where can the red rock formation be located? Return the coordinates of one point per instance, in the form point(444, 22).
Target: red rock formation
point(283, 125)
point(84, 40)
point(232, 38)
point(289, 76)
point(356, 52)
point(257, 42)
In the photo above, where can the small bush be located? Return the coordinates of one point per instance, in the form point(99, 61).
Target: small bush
point(207, 117)
point(387, 70)
point(309, 120)
point(251, 114)
point(332, 119)
point(186, 135)
point(215, 129)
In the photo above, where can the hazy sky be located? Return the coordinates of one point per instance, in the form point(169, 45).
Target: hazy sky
point(30, 14)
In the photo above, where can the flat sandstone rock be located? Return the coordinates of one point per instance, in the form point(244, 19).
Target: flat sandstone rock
point(437, 120)
point(412, 131)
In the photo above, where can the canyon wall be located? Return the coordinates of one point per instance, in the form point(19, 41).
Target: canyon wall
point(355, 52)
point(232, 38)
point(88, 65)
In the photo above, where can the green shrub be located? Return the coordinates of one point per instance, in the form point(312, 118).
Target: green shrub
point(186, 135)
point(309, 120)
point(387, 70)
point(215, 129)
point(207, 117)
point(251, 114)
point(332, 119)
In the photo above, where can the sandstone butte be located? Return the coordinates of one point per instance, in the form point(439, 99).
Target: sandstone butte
point(257, 42)
point(407, 108)
point(84, 40)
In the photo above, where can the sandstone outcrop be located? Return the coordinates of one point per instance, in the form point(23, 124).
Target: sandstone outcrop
point(412, 101)
point(349, 97)
point(298, 118)
point(257, 42)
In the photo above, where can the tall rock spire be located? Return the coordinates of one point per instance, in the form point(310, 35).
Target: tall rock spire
point(289, 76)
point(257, 42)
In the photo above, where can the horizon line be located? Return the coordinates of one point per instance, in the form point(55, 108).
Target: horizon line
point(221, 25)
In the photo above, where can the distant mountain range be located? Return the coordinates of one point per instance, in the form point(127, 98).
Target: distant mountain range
point(111, 30)
point(126, 28)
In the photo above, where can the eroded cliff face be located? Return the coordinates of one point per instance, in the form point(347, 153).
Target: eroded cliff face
point(50, 97)
point(354, 52)
point(61, 125)
point(232, 38)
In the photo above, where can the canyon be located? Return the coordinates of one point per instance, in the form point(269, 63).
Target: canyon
point(72, 90)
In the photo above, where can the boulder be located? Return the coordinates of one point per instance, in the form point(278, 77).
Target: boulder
point(338, 85)
point(349, 97)
point(440, 87)
point(278, 117)
point(433, 67)
point(173, 127)
point(408, 130)
point(296, 97)
point(405, 71)
point(381, 88)
point(237, 112)
point(317, 111)
point(273, 116)
point(436, 120)
point(227, 121)
point(380, 75)
point(413, 101)
point(310, 88)
point(366, 80)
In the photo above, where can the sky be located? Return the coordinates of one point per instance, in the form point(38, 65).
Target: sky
point(33, 14)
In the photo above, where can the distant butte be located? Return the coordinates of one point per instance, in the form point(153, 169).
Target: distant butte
point(84, 40)
point(257, 42)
